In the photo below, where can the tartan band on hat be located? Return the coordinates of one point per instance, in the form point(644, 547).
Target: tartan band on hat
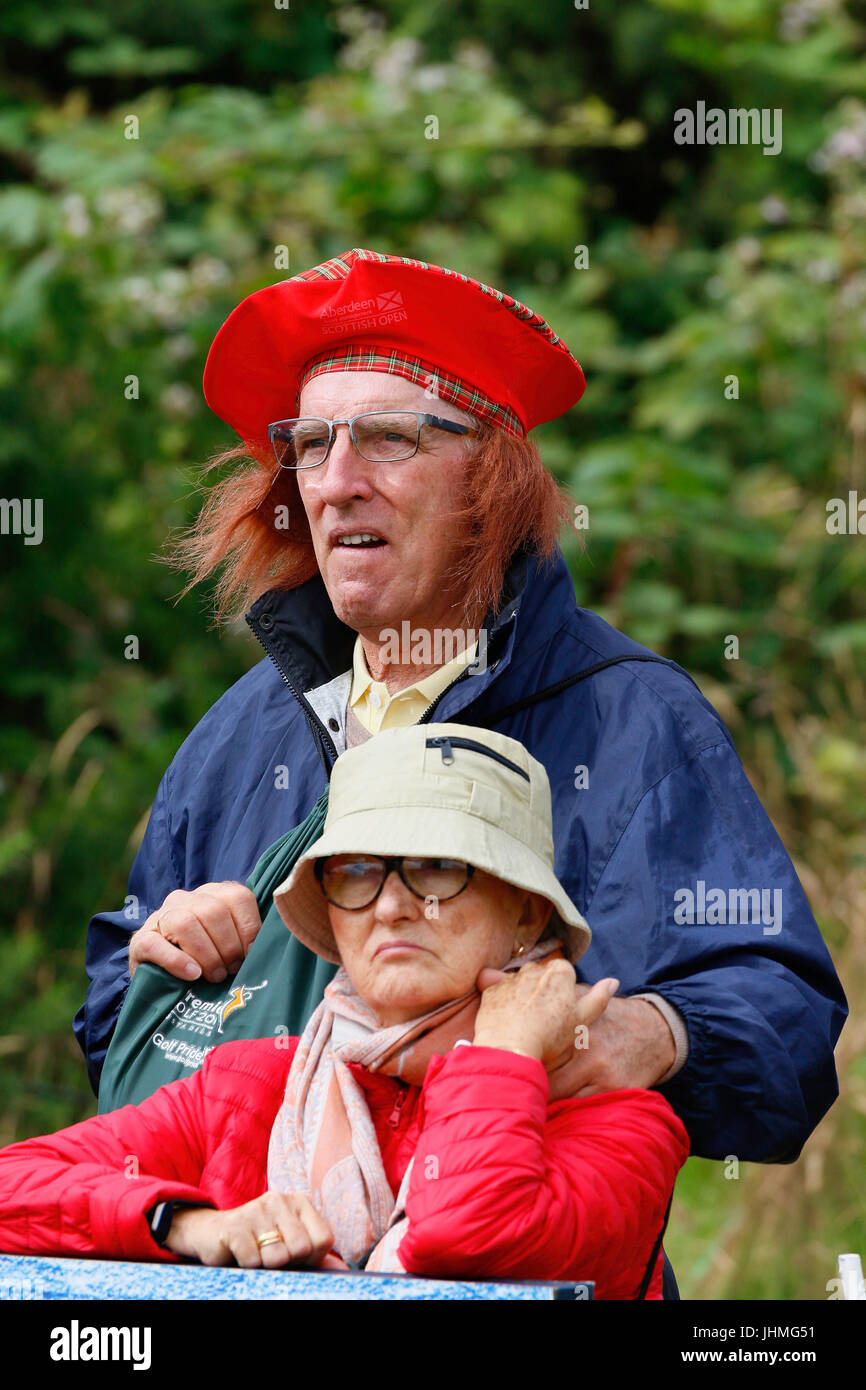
point(440, 385)
point(365, 310)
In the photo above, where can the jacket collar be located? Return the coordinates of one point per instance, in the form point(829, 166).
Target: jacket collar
point(310, 646)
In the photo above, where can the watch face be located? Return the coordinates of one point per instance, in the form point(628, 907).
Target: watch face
point(160, 1218)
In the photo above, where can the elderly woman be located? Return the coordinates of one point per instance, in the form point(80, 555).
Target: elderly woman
point(377, 1138)
point(386, 495)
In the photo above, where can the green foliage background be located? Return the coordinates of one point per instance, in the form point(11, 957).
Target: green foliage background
point(307, 127)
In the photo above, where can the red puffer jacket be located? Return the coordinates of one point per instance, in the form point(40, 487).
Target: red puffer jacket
point(505, 1185)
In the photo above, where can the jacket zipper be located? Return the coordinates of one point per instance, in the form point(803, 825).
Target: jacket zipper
point(425, 717)
point(394, 1117)
point(307, 708)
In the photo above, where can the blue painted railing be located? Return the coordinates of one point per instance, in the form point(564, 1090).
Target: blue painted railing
point(47, 1277)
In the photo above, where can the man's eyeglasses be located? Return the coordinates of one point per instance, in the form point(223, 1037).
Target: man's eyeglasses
point(379, 436)
point(354, 881)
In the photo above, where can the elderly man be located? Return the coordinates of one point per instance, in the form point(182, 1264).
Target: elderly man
point(408, 503)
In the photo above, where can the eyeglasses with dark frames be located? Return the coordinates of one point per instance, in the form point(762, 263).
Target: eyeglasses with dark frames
point(354, 881)
point(379, 436)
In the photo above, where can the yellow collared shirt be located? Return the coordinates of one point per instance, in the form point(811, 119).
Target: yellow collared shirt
point(375, 708)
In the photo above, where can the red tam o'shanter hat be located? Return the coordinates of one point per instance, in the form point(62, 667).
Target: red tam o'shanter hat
point(462, 340)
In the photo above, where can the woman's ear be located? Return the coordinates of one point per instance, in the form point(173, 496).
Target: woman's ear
point(534, 917)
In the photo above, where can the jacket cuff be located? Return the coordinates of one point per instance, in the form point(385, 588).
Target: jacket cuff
point(118, 1216)
point(675, 1021)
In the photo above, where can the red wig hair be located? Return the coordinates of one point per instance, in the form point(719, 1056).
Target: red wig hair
point(253, 527)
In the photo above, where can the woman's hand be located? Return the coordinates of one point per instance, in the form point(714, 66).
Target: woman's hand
point(204, 932)
point(536, 1010)
point(219, 1237)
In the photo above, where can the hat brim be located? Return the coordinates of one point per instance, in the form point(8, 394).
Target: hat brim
point(400, 830)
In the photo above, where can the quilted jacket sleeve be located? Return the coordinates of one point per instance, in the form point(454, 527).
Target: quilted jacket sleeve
point(504, 1186)
point(85, 1190)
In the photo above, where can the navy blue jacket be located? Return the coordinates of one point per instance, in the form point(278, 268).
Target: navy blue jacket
point(667, 832)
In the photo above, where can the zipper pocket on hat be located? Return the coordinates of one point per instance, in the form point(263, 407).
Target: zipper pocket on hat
point(448, 744)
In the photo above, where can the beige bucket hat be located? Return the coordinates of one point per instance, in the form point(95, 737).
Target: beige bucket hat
point(448, 790)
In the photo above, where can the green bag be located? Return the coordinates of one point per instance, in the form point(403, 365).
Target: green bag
point(167, 1027)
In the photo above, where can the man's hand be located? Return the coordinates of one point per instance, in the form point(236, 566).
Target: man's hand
point(587, 1040)
point(629, 1045)
point(207, 931)
point(220, 1237)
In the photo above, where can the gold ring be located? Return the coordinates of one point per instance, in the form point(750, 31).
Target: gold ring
point(269, 1238)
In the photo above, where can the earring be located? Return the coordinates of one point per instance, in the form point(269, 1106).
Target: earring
point(518, 950)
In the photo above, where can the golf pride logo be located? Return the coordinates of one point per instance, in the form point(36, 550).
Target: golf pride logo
point(738, 126)
point(76, 1343)
point(738, 906)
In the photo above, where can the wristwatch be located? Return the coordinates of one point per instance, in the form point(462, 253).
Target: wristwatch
point(160, 1217)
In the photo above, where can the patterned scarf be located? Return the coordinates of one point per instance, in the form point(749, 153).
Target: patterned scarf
point(323, 1142)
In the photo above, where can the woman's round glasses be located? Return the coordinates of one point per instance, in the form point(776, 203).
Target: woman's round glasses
point(354, 881)
point(378, 436)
